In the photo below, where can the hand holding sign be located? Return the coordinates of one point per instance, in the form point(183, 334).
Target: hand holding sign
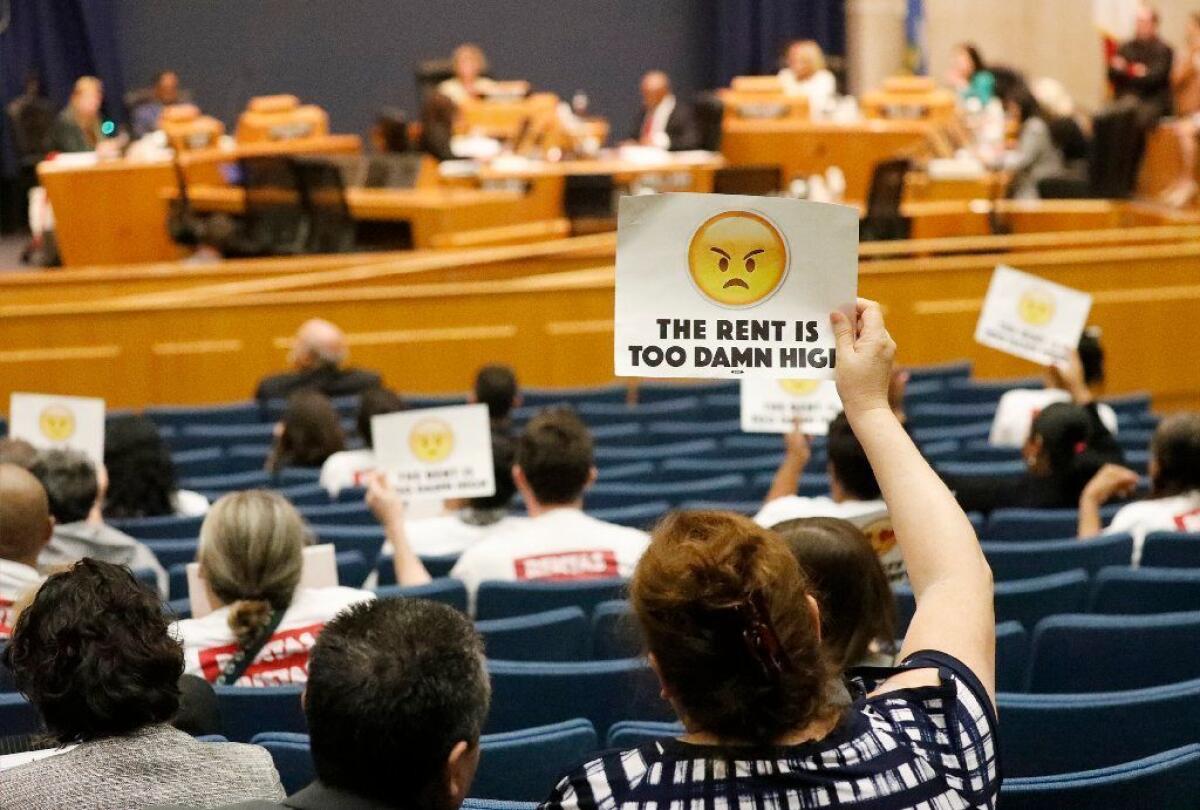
point(1032, 318)
point(51, 422)
point(435, 453)
point(713, 285)
point(779, 406)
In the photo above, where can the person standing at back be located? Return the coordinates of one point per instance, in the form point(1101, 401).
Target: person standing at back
point(318, 357)
point(554, 467)
point(25, 529)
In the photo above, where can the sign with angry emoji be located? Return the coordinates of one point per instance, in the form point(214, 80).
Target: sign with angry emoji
point(436, 453)
point(1032, 318)
point(726, 286)
point(50, 422)
point(778, 406)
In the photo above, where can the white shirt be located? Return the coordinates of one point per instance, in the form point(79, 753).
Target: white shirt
point(208, 643)
point(869, 516)
point(820, 87)
point(1018, 408)
point(16, 580)
point(560, 545)
point(658, 123)
point(347, 468)
point(1179, 513)
point(450, 534)
point(190, 504)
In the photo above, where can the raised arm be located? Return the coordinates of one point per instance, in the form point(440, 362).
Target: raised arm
point(389, 511)
point(1109, 482)
point(795, 459)
point(950, 577)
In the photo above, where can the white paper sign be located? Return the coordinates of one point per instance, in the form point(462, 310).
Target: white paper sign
point(317, 570)
point(51, 422)
point(1032, 318)
point(436, 453)
point(718, 285)
point(774, 406)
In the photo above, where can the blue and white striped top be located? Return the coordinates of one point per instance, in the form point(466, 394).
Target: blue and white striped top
point(931, 747)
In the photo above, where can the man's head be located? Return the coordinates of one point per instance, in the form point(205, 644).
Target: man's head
point(396, 699)
point(504, 453)
point(1146, 22)
point(166, 87)
point(496, 387)
point(655, 87)
point(375, 402)
point(318, 343)
point(554, 460)
point(70, 481)
point(17, 451)
point(850, 475)
point(26, 525)
point(1091, 357)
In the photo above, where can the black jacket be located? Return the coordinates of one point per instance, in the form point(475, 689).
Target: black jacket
point(329, 380)
point(1152, 91)
point(681, 127)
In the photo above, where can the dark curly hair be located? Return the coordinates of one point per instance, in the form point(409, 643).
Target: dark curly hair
point(94, 654)
point(141, 475)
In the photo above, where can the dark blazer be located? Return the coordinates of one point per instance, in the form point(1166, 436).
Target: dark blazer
point(329, 380)
point(1152, 91)
point(681, 127)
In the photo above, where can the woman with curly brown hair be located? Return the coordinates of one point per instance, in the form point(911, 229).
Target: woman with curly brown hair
point(93, 654)
point(733, 630)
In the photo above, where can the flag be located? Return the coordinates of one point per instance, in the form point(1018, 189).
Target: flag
point(914, 34)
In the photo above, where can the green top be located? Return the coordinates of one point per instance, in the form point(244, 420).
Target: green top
point(982, 86)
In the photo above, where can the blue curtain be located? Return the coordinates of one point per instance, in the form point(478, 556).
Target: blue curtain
point(61, 40)
point(751, 34)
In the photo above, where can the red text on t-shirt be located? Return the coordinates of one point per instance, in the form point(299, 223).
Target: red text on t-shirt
point(568, 565)
point(284, 659)
point(1188, 521)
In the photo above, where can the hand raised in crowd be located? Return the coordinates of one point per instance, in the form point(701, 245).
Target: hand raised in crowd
point(797, 445)
point(865, 354)
point(383, 501)
point(1068, 375)
point(1110, 481)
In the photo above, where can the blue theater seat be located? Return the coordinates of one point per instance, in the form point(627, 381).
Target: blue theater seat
point(617, 493)
point(354, 513)
point(1028, 601)
point(546, 397)
point(498, 600)
point(236, 413)
point(366, 540)
point(250, 710)
point(352, 569)
point(447, 591)
point(1037, 524)
point(635, 733)
point(655, 451)
point(1171, 550)
point(523, 765)
point(554, 635)
point(173, 552)
point(615, 633)
point(17, 715)
point(634, 515)
point(632, 470)
point(1166, 781)
point(168, 527)
point(292, 754)
point(202, 461)
point(1145, 590)
point(1012, 656)
point(1027, 559)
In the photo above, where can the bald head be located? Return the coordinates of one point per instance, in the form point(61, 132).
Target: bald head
point(1146, 26)
point(318, 342)
point(25, 522)
point(655, 87)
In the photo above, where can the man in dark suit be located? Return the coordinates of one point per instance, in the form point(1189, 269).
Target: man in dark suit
point(317, 355)
point(664, 122)
point(1140, 71)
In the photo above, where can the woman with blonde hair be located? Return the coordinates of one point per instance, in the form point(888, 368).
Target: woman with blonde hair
point(804, 74)
point(251, 554)
point(77, 128)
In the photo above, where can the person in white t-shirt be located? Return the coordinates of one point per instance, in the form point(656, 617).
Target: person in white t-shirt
point(25, 528)
point(1174, 502)
point(1080, 380)
point(554, 467)
point(251, 553)
point(853, 493)
point(805, 75)
point(352, 468)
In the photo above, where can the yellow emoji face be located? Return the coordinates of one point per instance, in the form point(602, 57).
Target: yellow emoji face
point(800, 388)
point(881, 535)
point(738, 259)
point(1036, 307)
point(57, 423)
point(431, 440)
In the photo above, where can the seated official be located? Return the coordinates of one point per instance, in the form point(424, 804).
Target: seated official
point(318, 356)
point(469, 80)
point(76, 491)
point(93, 653)
point(553, 469)
point(664, 121)
point(141, 475)
point(1140, 70)
point(77, 127)
point(251, 553)
point(24, 532)
point(1079, 380)
point(352, 468)
point(496, 386)
point(969, 76)
point(308, 434)
point(1174, 502)
point(804, 74)
point(1036, 156)
point(164, 93)
point(733, 630)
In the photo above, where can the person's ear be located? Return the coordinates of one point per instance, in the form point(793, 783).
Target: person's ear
point(814, 610)
point(304, 698)
point(460, 770)
point(664, 691)
point(277, 430)
point(593, 474)
point(518, 400)
point(472, 399)
point(51, 523)
point(519, 480)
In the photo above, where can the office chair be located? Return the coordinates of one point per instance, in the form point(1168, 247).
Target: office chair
point(274, 221)
point(757, 181)
point(709, 111)
point(883, 220)
point(331, 226)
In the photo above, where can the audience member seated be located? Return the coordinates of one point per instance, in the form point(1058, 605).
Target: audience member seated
point(664, 121)
point(76, 491)
point(351, 468)
point(24, 531)
point(1174, 502)
point(1035, 156)
point(858, 611)
point(1140, 70)
point(733, 631)
point(94, 655)
point(1069, 127)
point(969, 76)
point(17, 451)
point(1079, 380)
point(77, 128)
point(251, 552)
point(558, 542)
point(164, 92)
point(141, 475)
point(318, 356)
point(496, 386)
point(853, 493)
point(308, 434)
point(804, 74)
point(473, 520)
point(469, 80)
point(1185, 86)
point(1067, 445)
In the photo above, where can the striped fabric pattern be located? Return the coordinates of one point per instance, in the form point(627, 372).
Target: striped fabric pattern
point(930, 747)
